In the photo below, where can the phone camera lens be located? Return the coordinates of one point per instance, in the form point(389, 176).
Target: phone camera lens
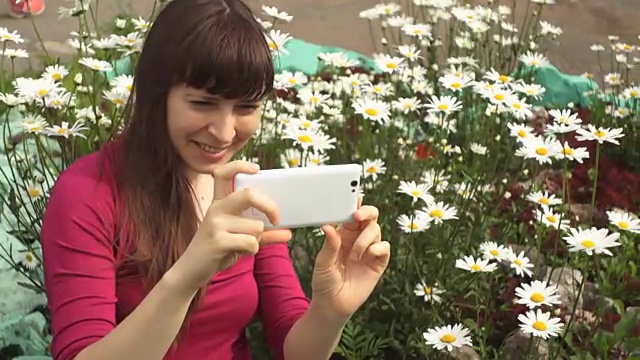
point(354, 183)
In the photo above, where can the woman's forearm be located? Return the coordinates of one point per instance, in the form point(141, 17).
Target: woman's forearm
point(149, 331)
point(315, 335)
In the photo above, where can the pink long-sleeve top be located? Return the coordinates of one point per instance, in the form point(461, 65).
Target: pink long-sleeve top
point(88, 295)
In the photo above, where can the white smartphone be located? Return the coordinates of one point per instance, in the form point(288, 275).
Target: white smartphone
point(306, 196)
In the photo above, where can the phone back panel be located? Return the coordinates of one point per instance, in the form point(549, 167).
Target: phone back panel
point(306, 196)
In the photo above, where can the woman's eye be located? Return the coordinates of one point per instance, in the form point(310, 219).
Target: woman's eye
point(248, 107)
point(202, 103)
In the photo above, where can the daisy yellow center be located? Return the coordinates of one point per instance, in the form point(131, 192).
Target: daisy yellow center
point(316, 161)
point(391, 65)
point(443, 107)
point(305, 138)
point(372, 170)
point(539, 325)
point(448, 338)
point(600, 133)
point(306, 124)
point(522, 133)
point(29, 257)
point(517, 262)
point(427, 290)
point(371, 112)
point(417, 31)
point(314, 99)
point(544, 200)
point(273, 46)
point(498, 97)
point(476, 267)
point(588, 244)
point(623, 225)
point(43, 92)
point(542, 151)
point(292, 81)
point(415, 192)
point(551, 218)
point(56, 77)
point(129, 87)
point(412, 226)
point(530, 92)
point(503, 78)
point(633, 93)
point(456, 85)
point(537, 297)
point(61, 131)
point(517, 106)
point(567, 151)
point(494, 252)
point(437, 213)
point(33, 192)
point(293, 162)
point(118, 101)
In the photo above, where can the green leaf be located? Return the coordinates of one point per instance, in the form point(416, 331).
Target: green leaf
point(625, 326)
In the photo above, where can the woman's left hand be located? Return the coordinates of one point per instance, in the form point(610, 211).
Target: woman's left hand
point(350, 263)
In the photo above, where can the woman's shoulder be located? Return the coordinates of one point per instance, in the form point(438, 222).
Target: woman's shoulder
point(90, 178)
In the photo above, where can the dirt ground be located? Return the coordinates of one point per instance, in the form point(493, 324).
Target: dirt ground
point(336, 22)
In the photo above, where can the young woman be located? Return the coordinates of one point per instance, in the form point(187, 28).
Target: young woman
point(25, 8)
point(145, 254)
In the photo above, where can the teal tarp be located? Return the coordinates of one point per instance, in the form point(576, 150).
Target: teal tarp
point(561, 88)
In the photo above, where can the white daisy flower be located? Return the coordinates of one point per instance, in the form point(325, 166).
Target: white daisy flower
point(448, 337)
point(540, 324)
point(429, 293)
point(592, 241)
point(537, 293)
point(475, 265)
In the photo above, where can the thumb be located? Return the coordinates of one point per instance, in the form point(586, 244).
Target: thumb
point(328, 254)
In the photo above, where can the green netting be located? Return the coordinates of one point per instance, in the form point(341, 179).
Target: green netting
point(561, 88)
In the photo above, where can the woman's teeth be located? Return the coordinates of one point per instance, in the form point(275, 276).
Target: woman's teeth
point(210, 149)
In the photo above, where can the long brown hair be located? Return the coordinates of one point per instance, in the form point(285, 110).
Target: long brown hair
point(216, 45)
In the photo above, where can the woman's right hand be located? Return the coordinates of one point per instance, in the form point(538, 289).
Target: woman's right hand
point(224, 234)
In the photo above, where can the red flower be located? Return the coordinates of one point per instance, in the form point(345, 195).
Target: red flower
point(424, 151)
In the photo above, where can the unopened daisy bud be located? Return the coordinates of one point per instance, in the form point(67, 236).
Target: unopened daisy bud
point(394, 177)
point(525, 172)
point(505, 180)
point(434, 67)
point(384, 41)
point(443, 141)
point(497, 138)
point(78, 78)
point(507, 195)
point(400, 141)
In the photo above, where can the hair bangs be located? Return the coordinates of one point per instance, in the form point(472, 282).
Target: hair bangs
point(230, 59)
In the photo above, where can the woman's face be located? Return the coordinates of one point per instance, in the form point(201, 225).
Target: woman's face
point(207, 131)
